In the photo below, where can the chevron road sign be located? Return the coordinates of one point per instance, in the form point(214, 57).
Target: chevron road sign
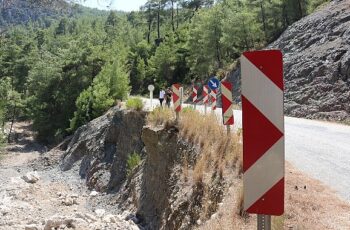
point(177, 99)
point(263, 133)
point(195, 94)
point(213, 99)
point(226, 98)
point(205, 94)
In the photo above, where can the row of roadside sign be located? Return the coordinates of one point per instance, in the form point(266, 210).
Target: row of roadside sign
point(214, 84)
point(263, 125)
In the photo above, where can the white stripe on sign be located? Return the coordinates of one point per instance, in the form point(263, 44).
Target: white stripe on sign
point(265, 101)
point(264, 174)
point(226, 92)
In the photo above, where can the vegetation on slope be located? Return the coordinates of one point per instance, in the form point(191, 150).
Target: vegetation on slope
point(63, 72)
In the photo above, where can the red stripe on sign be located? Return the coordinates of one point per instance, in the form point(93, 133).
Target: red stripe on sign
point(272, 67)
point(230, 121)
point(259, 134)
point(226, 104)
point(269, 199)
point(175, 97)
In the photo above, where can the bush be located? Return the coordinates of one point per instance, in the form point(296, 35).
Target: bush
point(134, 103)
point(134, 160)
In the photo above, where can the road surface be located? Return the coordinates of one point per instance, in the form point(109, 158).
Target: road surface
point(320, 149)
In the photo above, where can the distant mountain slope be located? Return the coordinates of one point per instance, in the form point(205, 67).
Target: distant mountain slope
point(317, 64)
point(21, 11)
point(14, 12)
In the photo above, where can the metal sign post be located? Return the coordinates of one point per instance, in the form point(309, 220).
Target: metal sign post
point(263, 155)
point(264, 222)
point(151, 89)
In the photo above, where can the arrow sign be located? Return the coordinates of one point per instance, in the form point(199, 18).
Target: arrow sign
point(213, 83)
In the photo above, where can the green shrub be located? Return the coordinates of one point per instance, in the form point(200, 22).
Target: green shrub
point(134, 160)
point(134, 103)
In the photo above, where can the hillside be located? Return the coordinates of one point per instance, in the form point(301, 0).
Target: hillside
point(317, 64)
point(316, 52)
point(15, 12)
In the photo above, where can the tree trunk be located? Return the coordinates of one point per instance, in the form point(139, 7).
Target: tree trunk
point(300, 9)
point(149, 24)
point(218, 53)
point(286, 22)
point(158, 21)
point(263, 16)
point(177, 16)
point(172, 15)
point(12, 121)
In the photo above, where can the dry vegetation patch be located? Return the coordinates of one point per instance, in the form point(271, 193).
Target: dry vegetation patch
point(308, 203)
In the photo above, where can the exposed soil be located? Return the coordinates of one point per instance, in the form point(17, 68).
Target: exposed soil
point(57, 199)
point(308, 205)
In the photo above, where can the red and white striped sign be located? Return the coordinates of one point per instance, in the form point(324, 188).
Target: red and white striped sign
point(195, 94)
point(205, 94)
point(263, 132)
point(213, 99)
point(176, 97)
point(226, 98)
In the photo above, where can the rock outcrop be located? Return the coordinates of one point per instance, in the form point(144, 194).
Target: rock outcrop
point(102, 147)
point(316, 52)
point(162, 191)
point(317, 64)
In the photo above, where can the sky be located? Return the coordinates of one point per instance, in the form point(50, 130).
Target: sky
point(125, 5)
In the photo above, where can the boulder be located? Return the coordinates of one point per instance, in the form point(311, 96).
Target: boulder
point(31, 177)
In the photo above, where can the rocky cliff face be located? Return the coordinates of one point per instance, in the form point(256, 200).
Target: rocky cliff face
point(317, 64)
point(102, 146)
point(316, 52)
point(160, 192)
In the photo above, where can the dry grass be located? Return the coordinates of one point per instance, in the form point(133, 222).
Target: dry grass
point(277, 222)
point(160, 116)
point(316, 207)
point(313, 205)
point(218, 149)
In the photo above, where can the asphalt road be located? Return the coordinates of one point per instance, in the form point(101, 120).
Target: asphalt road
point(320, 149)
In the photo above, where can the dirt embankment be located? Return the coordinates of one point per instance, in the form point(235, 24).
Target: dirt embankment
point(182, 181)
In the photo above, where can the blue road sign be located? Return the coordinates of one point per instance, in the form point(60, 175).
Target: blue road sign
point(213, 83)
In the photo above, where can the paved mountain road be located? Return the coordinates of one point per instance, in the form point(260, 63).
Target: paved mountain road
point(320, 149)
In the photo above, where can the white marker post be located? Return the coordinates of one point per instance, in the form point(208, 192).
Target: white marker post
point(151, 89)
point(181, 95)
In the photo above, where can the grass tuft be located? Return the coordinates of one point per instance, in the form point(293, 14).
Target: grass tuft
point(134, 103)
point(134, 160)
point(160, 116)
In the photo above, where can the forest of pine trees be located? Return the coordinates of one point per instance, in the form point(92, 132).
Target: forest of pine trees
point(62, 73)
